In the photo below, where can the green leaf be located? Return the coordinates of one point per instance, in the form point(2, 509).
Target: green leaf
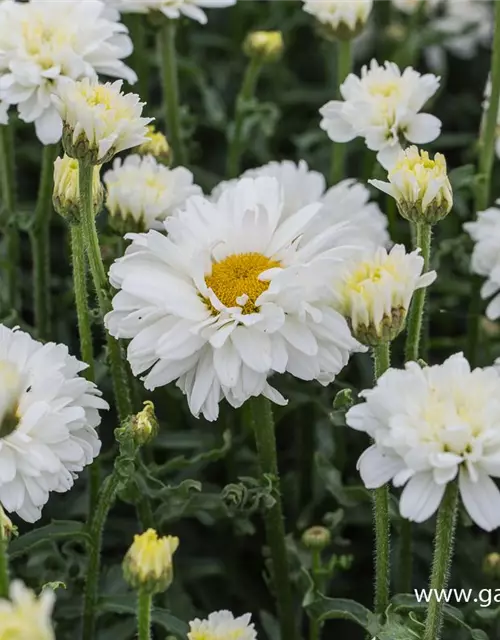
point(126, 604)
point(57, 530)
point(322, 608)
point(181, 462)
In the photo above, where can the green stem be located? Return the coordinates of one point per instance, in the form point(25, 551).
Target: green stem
point(443, 553)
point(314, 624)
point(382, 361)
point(405, 568)
point(8, 196)
point(117, 365)
point(139, 59)
point(415, 319)
point(106, 498)
point(263, 423)
point(40, 244)
point(170, 83)
point(485, 165)
point(4, 559)
point(246, 93)
point(344, 66)
point(144, 602)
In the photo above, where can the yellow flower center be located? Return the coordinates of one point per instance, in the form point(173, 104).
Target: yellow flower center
point(237, 276)
point(366, 273)
point(10, 383)
point(387, 89)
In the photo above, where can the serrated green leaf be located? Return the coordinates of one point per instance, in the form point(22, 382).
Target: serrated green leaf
point(56, 531)
point(322, 608)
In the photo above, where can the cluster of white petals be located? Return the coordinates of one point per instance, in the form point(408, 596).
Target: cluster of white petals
point(465, 25)
point(48, 415)
point(147, 191)
point(382, 106)
point(485, 231)
point(26, 616)
point(45, 42)
point(339, 13)
point(430, 425)
point(222, 625)
point(237, 291)
point(99, 119)
point(411, 6)
point(172, 9)
point(348, 201)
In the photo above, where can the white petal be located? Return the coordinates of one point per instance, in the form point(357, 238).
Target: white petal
point(377, 468)
point(421, 497)
point(481, 499)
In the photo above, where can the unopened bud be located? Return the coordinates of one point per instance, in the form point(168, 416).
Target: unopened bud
point(7, 529)
point(148, 565)
point(156, 145)
point(316, 538)
point(66, 195)
point(145, 424)
point(266, 46)
point(491, 565)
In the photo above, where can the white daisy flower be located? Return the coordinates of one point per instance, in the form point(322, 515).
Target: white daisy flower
point(485, 231)
point(375, 290)
point(4, 116)
point(430, 425)
point(44, 42)
point(48, 415)
point(466, 25)
point(26, 616)
point(347, 201)
point(382, 106)
point(146, 191)
point(99, 120)
point(222, 625)
point(172, 9)
point(344, 17)
point(232, 295)
point(411, 6)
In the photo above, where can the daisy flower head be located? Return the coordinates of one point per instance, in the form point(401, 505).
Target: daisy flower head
point(25, 615)
point(431, 425)
point(48, 416)
point(420, 186)
point(375, 290)
point(485, 232)
point(141, 192)
point(66, 194)
point(235, 293)
point(99, 120)
point(43, 43)
point(343, 19)
point(222, 625)
point(383, 105)
point(346, 202)
point(148, 564)
point(172, 9)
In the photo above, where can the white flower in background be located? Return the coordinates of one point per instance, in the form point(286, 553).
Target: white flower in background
point(99, 120)
point(430, 425)
point(222, 625)
point(144, 190)
point(382, 106)
point(375, 290)
point(4, 116)
point(344, 18)
point(487, 94)
point(411, 6)
point(420, 186)
point(26, 616)
point(233, 294)
point(45, 42)
point(466, 25)
point(48, 415)
point(347, 201)
point(172, 9)
point(485, 232)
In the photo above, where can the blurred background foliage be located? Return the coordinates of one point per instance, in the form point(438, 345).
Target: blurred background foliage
point(198, 475)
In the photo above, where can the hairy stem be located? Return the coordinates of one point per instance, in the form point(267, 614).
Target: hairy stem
point(10, 228)
point(144, 602)
point(416, 315)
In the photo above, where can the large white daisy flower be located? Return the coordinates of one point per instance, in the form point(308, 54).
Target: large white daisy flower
point(430, 425)
point(485, 232)
point(222, 625)
point(172, 9)
point(348, 201)
point(381, 106)
point(147, 191)
point(466, 25)
point(44, 42)
point(26, 616)
point(233, 294)
point(348, 16)
point(48, 415)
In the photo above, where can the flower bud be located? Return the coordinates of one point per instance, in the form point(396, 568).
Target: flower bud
point(316, 538)
point(338, 19)
point(420, 186)
point(491, 565)
point(145, 424)
point(155, 145)
point(148, 565)
point(66, 195)
point(375, 292)
point(266, 46)
point(7, 529)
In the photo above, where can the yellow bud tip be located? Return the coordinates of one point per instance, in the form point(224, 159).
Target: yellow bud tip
point(156, 145)
point(148, 564)
point(266, 45)
point(145, 424)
